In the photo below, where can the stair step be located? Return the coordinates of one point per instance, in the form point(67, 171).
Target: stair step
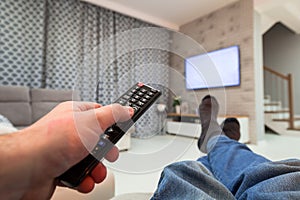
point(294, 129)
point(277, 111)
point(273, 104)
point(286, 119)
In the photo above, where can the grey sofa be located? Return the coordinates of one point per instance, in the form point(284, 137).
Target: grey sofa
point(23, 106)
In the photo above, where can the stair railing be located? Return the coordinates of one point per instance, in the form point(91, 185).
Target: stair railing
point(276, 79)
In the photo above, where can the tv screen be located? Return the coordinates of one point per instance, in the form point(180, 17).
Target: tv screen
point(219, 68)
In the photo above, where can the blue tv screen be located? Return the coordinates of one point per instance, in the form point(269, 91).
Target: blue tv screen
point(219, 68)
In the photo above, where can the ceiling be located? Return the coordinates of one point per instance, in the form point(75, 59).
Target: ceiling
point(174, 13)
point(285, 11)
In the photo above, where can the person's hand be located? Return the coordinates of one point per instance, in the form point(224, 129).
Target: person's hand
point(45, 150)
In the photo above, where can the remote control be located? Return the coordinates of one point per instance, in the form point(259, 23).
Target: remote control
point(140, 97)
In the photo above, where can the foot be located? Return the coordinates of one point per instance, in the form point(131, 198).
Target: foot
point(208, 110)
point(231, 128)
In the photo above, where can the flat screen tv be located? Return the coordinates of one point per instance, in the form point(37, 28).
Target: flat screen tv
point(219, 68)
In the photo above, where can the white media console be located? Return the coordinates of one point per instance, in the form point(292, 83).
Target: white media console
point(192, 128)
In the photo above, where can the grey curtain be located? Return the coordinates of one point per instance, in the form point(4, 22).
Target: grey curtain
point(69, 44)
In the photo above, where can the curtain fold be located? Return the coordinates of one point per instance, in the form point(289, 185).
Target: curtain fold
point(21, 42)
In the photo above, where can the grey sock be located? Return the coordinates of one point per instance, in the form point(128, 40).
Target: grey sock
point(212, 130)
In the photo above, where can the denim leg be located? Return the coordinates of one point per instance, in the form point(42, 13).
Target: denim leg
point(204, 161)
point(271, 180)
point(250, 176)
point(229, 159)
point(189, 180)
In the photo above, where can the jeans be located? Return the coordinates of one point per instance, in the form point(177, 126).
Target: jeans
point(230, 171)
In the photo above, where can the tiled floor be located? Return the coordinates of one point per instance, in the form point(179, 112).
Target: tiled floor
point(138, 170)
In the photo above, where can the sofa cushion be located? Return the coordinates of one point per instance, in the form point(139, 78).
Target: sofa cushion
point(14, 94)
point(44, 100)
point(51, 95)
point(23, 106)
point(39, 109)
point(19, 113)
point(15, 104)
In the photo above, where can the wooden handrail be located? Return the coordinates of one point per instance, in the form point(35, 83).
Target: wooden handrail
point(289, 80)
point(276, 73)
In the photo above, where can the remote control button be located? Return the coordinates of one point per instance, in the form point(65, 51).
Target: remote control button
point(101, 143)
point(140, 84)
point(140, 103)
point(109, 130)
point(136, 97)
point(126, 97)
point(134, 91)
point(122, 102)
point(140, 94)
point(95, 150)
point(150, 93)
point(136, 109)
point(144, 100)
point(133, 100)
point(143, 90)
point(147, 97)
point(153, 90)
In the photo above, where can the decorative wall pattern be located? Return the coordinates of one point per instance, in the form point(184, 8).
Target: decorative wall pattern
point(73, 45)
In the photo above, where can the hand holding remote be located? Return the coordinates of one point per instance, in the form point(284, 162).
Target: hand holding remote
point(140, 97)
point(46, 149)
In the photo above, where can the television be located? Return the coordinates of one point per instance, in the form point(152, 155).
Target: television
point(219, 68)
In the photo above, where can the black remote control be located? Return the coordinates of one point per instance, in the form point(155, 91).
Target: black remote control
point(140, 97)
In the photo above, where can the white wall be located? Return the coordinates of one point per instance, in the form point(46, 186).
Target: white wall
point(258, 75)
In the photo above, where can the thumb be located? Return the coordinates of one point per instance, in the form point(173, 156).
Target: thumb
point(110, 114)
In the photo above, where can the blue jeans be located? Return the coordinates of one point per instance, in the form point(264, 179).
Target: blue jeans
point(230, 171)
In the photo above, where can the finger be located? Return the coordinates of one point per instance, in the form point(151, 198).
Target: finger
point(87, 185)
point(84, 106)
point(108, 115)
point(99, 173)
point(113, 154)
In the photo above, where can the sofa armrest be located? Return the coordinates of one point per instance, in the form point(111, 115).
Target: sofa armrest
point(15, 104)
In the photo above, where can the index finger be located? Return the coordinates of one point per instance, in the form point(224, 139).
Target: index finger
point(110, 114)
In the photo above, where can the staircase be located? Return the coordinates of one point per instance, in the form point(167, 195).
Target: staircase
point(277, 117)
point(279, 113)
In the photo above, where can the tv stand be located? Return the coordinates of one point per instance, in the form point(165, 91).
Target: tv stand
point(188, 125)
